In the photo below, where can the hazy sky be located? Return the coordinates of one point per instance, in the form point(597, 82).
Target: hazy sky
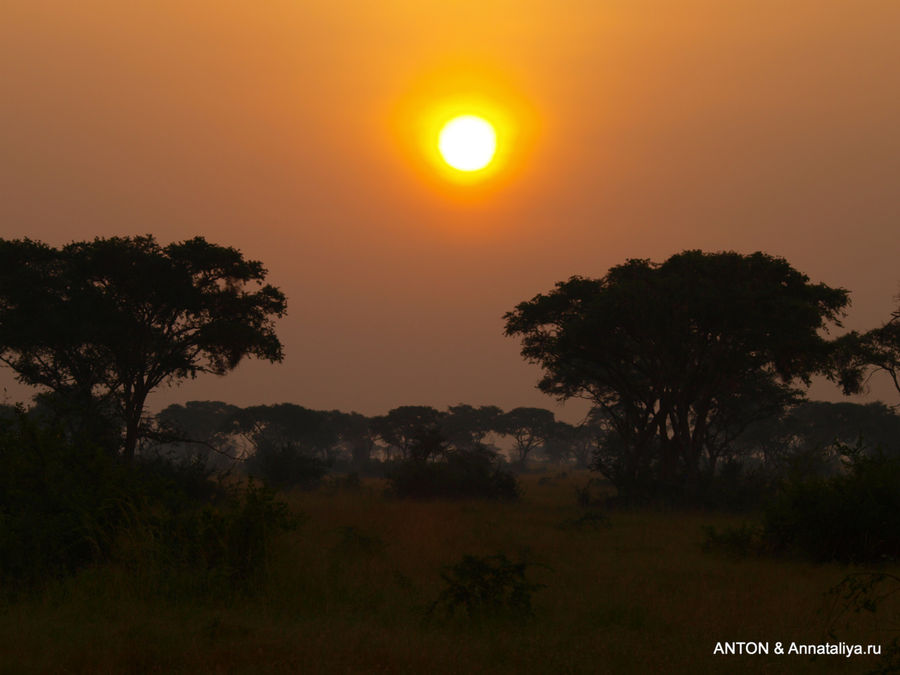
point(289, 129)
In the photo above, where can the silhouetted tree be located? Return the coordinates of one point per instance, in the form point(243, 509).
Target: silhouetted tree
point(403, 426)
point(559, 446)
point(428, 444)
point(662, 348)
point(817, 427)
point(112, 319)
point(528, 427)
point(201, 420)
point(356, 435)
point(291, 444)
point(876, 350)
point(288, 424)
point(466, 426)
point(197, 427)
point(757, 398)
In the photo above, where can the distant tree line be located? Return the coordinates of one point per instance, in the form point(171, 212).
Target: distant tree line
point(270, 436)
point(289, 445)
point(688, 364)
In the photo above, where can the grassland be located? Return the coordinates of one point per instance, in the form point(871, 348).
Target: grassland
point(348, 590)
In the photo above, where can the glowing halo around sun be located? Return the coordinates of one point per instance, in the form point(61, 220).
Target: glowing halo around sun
point(468, 143)
point(464, 131)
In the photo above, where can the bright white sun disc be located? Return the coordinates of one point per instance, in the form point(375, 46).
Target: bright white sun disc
point(467, 143)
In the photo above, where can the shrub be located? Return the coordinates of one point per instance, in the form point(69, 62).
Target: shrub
point(215, 550)
point(463, 473)
point(486, 586)
point(851, 517)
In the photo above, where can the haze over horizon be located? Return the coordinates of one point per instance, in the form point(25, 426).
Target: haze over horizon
point(287, 130)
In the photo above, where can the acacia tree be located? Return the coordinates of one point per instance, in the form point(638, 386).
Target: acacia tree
point(528, 427)
point(110, 320)
point(665, 349)
point(466, 426)
point(356, 436)
point(291, 445)
point(403, 427)
point(873, 351)
point(197, 426)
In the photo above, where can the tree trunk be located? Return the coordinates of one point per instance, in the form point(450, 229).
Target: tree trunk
point(134, 409)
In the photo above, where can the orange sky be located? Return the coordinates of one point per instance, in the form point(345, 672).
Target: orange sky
point(286, 128)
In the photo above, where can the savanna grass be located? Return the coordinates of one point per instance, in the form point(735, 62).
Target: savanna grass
point(349, 590)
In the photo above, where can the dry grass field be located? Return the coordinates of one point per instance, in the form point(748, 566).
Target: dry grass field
point(348, 592)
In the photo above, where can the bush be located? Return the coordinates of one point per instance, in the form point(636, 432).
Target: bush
point(851, 517)
point(486, 586)
point(462, 474)
point(211, 550)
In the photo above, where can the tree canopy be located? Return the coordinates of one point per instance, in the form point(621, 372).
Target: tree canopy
point(873, 351)
point(673, 352)
point(528, 427)
point(110, 320)
point(403, 427)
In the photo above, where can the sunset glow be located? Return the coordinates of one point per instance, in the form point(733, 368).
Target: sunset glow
point(468, 143)
point(306, 134)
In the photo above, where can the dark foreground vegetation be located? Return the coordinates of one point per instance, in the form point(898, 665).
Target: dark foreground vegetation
point(65, 506)
point(722, 505)
point(368, 583)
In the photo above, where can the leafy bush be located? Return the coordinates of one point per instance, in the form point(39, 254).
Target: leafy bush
point(214, 549)
point(851, 517)
point(463, 473)
point(486, 586)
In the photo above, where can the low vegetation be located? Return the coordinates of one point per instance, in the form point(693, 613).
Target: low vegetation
point(351, 586)
point(66, 506)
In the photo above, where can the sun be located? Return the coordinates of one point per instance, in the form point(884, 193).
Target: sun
point(468, 143)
